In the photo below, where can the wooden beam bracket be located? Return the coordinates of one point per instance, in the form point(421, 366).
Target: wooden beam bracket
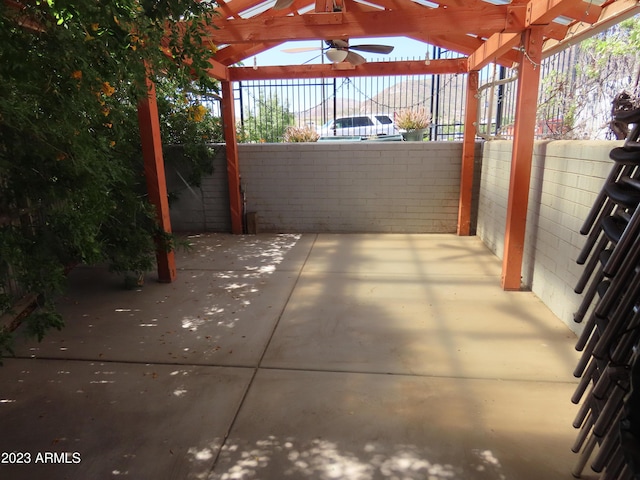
point(323, 18)
point(515, 19)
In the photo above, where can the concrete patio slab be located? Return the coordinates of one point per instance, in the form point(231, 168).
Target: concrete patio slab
point(325, 425)
point(250, 253)
point(404, 254)
point(212, 316)
point(438, 325)
point(115, 420)
point(303, 357)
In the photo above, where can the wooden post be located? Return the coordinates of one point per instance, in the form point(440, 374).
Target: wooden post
point(522, 157)
point(149, 122)
point(233, 171)
point(468, 155)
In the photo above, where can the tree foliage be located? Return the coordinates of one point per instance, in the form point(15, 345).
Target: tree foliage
point(72, 188)
point(603, 66)
point(270, 121)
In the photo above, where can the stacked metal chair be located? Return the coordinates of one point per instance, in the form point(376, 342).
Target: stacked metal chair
point(609, 389)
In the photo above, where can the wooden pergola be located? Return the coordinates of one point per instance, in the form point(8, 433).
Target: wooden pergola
point(520, 33)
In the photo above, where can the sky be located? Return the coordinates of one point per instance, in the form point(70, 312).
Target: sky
point(405, 48)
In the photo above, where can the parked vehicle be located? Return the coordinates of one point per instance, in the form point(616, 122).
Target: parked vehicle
point(359, 125)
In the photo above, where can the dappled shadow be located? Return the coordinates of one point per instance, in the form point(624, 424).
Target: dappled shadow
point(220, 310)
point(383, 365)
point(324, 459)
point(424, 308)
point(228, 293)
point(254, 258)
point(274, 457)
point(254, 253)
point(115, 420)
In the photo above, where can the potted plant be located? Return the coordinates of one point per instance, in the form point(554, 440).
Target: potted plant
point(413, 123)
point(300, 134)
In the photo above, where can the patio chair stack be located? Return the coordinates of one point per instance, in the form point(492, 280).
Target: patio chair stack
point(609, 369)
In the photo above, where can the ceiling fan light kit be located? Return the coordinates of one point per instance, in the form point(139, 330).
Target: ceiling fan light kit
point(339, 51)
point(335, 55)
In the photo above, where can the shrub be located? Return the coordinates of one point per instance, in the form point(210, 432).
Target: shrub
point(300, 134)
point(72, 188)
point(411, 119)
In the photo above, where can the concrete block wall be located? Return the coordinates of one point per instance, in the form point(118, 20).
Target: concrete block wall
point(566, 177)
point(204, 209)
point(346, 187)
point(412, 187)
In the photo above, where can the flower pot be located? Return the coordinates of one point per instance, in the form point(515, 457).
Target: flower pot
point(414, 135)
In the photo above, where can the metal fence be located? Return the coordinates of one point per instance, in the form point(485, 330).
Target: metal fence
point(556, 99)
point(577, 90)
point(266, 108)
point(573, 101)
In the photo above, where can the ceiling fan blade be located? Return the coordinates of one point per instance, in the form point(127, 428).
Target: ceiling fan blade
point(354, 59)
point(373, 48)
point(282, 4)
point(300, 49)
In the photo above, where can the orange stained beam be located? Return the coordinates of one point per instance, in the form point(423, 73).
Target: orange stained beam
point(233, 170)
point(468, 155)
point(359, 7)
point(149, 121)
point(218, 70)
point(239, 51)
point(538, 12)
point(542, 12)
point(484, 19)
point(492, 49)
point(609, 15)
point(521, 158)
point(369, 69)
point(237, 7)
point(390, 5)
point(465, 44)
point(591, 14)
point(226, 12)
point(324, 6)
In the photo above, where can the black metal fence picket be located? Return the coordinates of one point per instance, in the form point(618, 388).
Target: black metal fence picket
point(571, 104)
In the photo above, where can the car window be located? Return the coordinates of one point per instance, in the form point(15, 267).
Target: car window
point(344, 122)
point(384, 119)
point(362, 122)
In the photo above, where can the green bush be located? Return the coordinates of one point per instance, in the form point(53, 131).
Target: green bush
point(70, 156)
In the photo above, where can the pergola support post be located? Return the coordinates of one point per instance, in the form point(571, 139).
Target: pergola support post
point(149, 122)
point(233, 170)
point(468, 155)
point(522, 158)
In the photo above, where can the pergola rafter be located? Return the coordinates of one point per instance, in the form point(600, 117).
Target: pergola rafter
point(483, 20)
point(517, 33)
point(470, 27)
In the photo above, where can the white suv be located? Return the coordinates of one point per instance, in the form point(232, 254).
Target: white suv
point(359, 126)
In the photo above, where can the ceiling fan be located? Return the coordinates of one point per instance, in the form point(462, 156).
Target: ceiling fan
point(340, 51)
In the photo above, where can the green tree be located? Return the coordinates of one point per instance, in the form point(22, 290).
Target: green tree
point(72, 74)
point(186, 122)
point(605, 65)
point(269, 122)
